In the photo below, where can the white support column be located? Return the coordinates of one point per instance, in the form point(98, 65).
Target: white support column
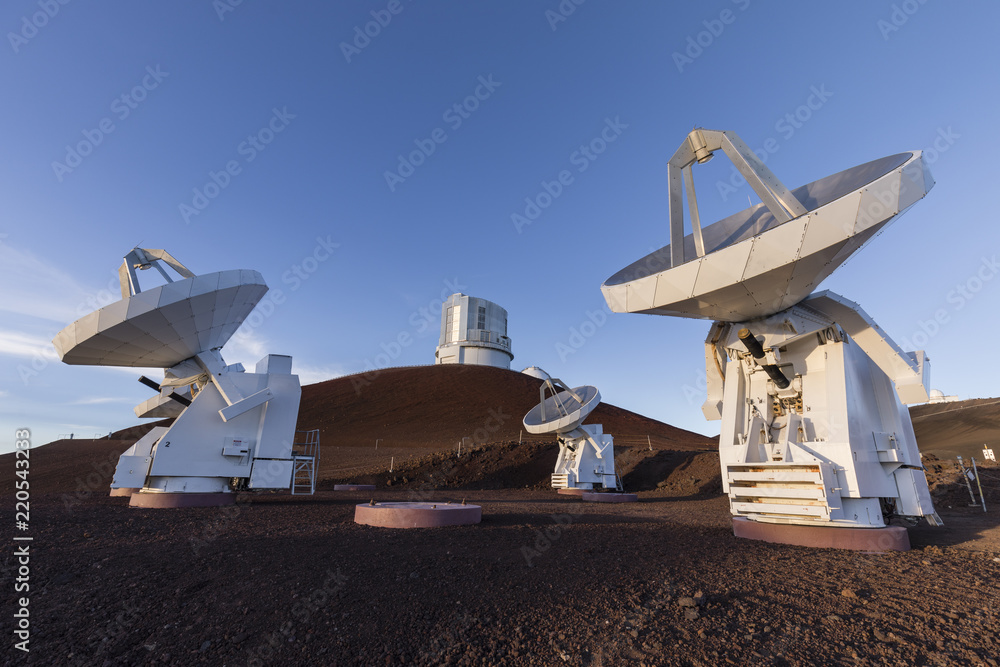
point(674, 175)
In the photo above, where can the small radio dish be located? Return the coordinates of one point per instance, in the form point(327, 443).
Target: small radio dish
point(162, 326)
point(586, 458)
point(768, 257)
point(562, 412)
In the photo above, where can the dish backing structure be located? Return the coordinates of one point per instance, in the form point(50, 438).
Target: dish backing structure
point(811, 392)
point(231, 429)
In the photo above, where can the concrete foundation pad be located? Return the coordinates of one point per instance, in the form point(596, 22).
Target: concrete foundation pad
point(416, 515)
point(353, 487)
point(123, 492)
point(167, 500)
point(598, 497)
point(572, 492)
point(890, 538)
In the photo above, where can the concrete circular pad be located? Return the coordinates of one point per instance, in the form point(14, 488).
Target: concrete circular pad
point(890, 538)
point(416, 515)
point(165, 500)
point(572, 492)
point(598, 497)
point(123, 492)
point(353, 487)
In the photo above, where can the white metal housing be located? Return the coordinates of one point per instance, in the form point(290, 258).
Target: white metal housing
point(473, 331)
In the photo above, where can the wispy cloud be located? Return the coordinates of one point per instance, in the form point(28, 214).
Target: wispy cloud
point(313, 374)
point(246, 347)
point(19, 344)
point(44, 290)
point(101, 400)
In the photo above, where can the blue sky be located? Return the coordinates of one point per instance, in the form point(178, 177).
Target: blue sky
point(264, 136)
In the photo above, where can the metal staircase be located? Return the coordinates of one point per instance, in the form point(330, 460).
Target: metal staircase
point(305, 457)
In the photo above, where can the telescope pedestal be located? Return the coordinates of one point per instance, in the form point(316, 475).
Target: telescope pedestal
point(832, 449)
point(889, 538)
point(152, 499)
point(586, 460)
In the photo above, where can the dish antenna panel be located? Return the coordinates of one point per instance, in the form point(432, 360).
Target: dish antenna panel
point(814, 428)
point(586, 454)
point(220, 439)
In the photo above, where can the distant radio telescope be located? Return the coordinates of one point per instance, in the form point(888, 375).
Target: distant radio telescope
point(586, 454)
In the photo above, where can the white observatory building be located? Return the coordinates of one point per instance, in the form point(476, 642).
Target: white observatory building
point(473, 331)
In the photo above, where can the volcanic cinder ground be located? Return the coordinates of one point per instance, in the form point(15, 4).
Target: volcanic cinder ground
point(543, 580)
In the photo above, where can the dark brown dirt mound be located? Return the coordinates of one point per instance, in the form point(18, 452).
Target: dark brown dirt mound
point(79, 465)
point(438, 406)
point(513, 465)
point(955, 429)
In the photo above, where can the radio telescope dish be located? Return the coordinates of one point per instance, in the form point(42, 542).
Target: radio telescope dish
point(232, 429)
point(768, 257)
point(562, 412)
point(831, 449)
point(165, 325)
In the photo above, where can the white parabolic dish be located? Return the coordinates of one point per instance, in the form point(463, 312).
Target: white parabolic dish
point(165, 325)
point(754, 265)
point(563, 413)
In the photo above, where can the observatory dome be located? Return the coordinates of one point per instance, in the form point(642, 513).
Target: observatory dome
point(537, 373)
point(938, 396)
point(473, 331)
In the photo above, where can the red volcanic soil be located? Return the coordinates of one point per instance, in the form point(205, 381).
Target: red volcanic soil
point(543, 580)
point(434, 406)
point(955, 429)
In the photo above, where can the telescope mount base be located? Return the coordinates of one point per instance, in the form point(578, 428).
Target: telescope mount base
point(889, 538)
